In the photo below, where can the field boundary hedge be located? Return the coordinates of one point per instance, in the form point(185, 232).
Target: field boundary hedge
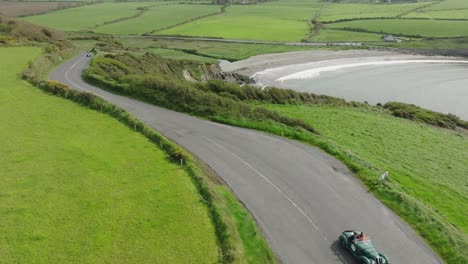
point(222, 10)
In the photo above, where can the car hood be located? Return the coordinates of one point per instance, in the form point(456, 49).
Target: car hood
point(367, 249)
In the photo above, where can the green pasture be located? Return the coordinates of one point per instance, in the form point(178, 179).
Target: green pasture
point(85, 17)
point(228, 51)
point(308, 4)
point(80, 187)
point(426, 162)
point(157, 18)
point(332, 35)
point(422, 27)
point(448, 5)
point(259, 22)
point(442, 14)
point(335, 11)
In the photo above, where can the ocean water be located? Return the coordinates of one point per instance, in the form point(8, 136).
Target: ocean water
point(439, 85)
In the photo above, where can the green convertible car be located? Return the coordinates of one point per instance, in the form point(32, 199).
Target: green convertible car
point(361, 248)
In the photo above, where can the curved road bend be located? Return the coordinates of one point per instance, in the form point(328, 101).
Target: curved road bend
point(301, 197)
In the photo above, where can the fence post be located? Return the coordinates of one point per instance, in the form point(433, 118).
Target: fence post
point(383, 178)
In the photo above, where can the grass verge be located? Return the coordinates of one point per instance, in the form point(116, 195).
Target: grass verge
point(427, 167)
point(78, 186)
point(233, 247)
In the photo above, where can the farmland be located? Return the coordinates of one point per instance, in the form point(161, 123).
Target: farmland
point(442, 14)
point(335, 12)
point(78, 186)
point(87, 16)
point(259, 22)
point(448, 5)
point(271, 21)
point(157, 18)
point(448, 9)
point(427, 28)
point(331, 35)
point(33, 8)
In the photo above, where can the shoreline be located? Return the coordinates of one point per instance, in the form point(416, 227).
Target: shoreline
point(324, 72)
point(255, 64)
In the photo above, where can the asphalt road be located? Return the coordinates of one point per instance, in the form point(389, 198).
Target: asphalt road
point(301, 198)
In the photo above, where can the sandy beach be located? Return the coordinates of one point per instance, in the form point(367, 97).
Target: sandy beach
point(365, 76)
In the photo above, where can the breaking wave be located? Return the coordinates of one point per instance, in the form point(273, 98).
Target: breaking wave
point(314, 73)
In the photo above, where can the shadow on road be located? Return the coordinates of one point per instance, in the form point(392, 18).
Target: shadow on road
point(342, 253)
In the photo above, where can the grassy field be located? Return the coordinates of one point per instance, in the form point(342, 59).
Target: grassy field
point(448, 5)
point(348, 11)
point(229, 51)
point(429, 28)
point(258, 22)
point(157, 18)
point(441, 14)
point(332, 35)
point(78, 186)
point(447, 9)
point(165, 48)
point(87, 16)
point(14, 9)
point(428, 163)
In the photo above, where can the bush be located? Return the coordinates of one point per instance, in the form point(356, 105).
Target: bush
point(130, 76)
point(413, 112)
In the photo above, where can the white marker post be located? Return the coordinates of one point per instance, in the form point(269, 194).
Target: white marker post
point(383, 178)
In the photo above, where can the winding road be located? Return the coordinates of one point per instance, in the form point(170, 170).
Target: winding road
point(301, 198)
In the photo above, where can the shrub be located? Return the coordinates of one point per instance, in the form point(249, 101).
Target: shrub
point(413, 112)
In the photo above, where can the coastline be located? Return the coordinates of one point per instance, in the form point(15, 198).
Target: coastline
point(372, 76)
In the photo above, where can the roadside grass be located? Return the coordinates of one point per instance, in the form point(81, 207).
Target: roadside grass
point(429, 163)
point(333, 35)
point(256, 22)
point(84, 17)
point(256, 249)
point(14, 9)
point(78, 186)
point(337, 11)
point(427, 166)
point(157, 18)
point(416, 27)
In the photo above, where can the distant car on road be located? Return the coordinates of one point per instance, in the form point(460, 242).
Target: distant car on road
point(89, 54)
point(361, 248)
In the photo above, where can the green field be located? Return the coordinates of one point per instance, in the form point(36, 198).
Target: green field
point(427, 163)
point(157, 18)
point(447, 9)
point(348, 11)
point(441, 14)
point(332, 35)
point(427, 28)
point(448, 5)
point(80, 187)
point(257, 22)
point(228, 51)
point(87, 16)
